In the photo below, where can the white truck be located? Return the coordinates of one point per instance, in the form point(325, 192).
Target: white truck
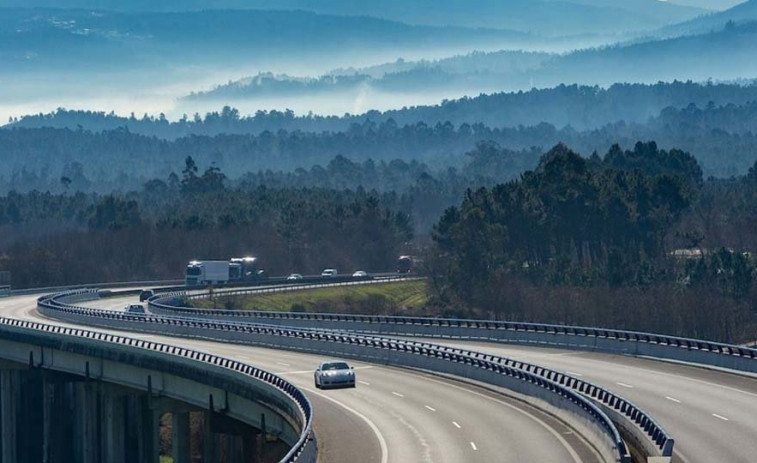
point(207, 272)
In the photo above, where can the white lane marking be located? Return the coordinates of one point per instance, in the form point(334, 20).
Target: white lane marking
point(430, 408)
point(371, 424)
point(673, 399)
point(397, 394)
point(283, 364)
point(720, 417)
point(538, 420)
point(573, 373)
point(625, 385)
point(456, 425)
point(473, 446)
point(364, 382)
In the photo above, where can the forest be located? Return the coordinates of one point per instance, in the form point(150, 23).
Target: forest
point(601, 241)
point(559, 106)
point(721, 137)
point(596, 239)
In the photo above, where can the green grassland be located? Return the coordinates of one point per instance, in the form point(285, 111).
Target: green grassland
point(379, 299)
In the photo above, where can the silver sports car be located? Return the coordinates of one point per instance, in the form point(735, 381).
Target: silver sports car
point(334, 374)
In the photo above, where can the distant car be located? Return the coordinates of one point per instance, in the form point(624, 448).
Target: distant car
point(334, 374)
point(146, 294)
point(360, 274)
point(294, 277)
point(329, 272)
point(135, 309)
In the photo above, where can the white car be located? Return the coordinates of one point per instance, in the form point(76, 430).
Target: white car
point(334, 374)
point(329, 272)
point(360, 274)
point(294, 277)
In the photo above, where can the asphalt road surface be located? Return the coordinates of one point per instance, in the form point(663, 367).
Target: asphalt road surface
point(394, 415)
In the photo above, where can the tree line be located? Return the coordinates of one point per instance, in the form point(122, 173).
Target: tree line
point(58, 239)
point(720, 137)
point(603, 241)
point(635, 238)
point(559, 106)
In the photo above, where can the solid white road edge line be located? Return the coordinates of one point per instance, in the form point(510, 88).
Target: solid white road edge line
point(371, 424)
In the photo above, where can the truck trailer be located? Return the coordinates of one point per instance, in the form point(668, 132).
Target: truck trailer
point(207, 272)
point(216, 272)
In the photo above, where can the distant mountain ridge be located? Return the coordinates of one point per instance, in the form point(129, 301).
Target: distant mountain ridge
point(739, 14)
point(725, 55)
point(580, 107)
point(546, 17)
point(32, 38)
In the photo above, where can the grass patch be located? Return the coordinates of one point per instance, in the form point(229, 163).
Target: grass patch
point(378, 299)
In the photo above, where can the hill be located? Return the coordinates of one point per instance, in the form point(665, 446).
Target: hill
point(563, 17)
point(727, 54)
point(49, 38)
point(739, 14)
point(581, 107)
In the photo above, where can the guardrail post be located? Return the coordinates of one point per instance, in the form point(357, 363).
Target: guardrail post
point(180, 437)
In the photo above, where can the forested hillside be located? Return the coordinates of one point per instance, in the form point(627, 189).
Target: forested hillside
point(566, 17)
point(83, 40)
point(634, 239)
point(720, 137)
point(581, 107)
point(574, 239)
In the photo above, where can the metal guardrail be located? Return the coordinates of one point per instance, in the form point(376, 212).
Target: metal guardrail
point(166, 305)
point(159, 301)
point(305, 450)
point(577, 337)
point(122, 284)
point(515, 375)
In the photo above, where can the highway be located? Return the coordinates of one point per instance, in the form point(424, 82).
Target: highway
point(710, 413)
point(394, 415)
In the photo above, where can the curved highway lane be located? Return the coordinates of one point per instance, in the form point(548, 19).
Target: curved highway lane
point(711, 414)
point(395, 415)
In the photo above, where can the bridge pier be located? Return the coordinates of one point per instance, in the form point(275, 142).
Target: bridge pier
point(113, 427)
point(180, 437)
point(10, 398)
point(51, 417)
point(86, 422)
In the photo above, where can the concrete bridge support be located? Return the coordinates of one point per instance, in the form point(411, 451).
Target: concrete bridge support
point(180, 437)
point(49, 417)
